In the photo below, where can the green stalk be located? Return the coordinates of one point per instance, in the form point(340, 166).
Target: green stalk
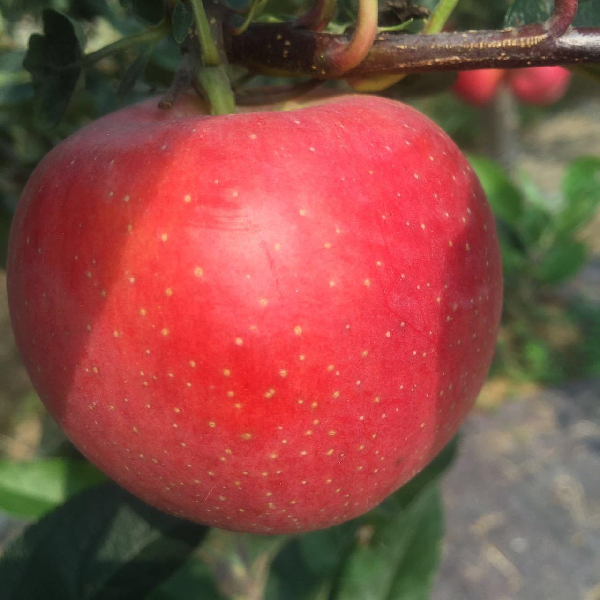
point(214, 83)
point(440, 15)
point(212, 78)
point(210, 54)
point(138, 39)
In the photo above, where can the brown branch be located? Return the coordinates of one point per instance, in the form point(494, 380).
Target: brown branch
point(283, 48)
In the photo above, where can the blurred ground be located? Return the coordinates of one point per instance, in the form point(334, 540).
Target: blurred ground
point(19, 426)
point(523, 501)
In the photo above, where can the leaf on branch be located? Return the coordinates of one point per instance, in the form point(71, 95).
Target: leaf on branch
point(54, 61)
point(183, 19)
point(104, 543)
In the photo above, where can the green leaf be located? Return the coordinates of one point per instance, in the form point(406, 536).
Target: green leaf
point(562, 261)
point(183, 19)
point(504, 197)
point(588, 14)
point(104, 544)
point(192, 579)
point(33, 488)
point(581, 190)
point(134, 72)
point(308, 564)
point(54, 61)
point(523, 12)
point(400, 559)
point(149, 12)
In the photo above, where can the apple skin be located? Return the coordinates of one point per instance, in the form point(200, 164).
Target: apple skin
point(265, 322)
point(478, 87)
point(539, 86)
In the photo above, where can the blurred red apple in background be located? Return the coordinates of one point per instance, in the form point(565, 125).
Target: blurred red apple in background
point(539, 86)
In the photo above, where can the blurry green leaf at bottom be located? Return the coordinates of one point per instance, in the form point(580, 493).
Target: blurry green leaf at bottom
point(30, 489)
point(400, 560)
point(308, 564)
point(504, 197)
point(195, 580)
point(319, 565)
point(562, 261)
point(103, 544)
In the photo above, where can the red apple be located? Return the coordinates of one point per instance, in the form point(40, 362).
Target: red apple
point(540, 86)
point(267, 321)
point(478, 87)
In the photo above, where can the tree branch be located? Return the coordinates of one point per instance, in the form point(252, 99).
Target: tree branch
point(281, 47)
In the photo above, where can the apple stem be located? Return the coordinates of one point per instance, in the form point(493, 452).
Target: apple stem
point(318, 16)
point(214, 84)
point(342, 58)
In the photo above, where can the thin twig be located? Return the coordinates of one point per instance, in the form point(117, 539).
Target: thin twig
point(564, 13)
point(342, 58)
